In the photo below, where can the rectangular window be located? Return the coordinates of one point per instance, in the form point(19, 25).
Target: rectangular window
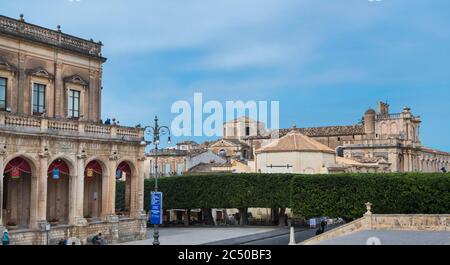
point(38, 98)
point(3, 87)
point(167, 169)
point(247, 131)
point(74, 104)
point(180, 169)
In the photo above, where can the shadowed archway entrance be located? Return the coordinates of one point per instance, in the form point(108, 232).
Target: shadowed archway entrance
point(123, 200)
point(17, 193)
point(58, 178)
point(92, 206)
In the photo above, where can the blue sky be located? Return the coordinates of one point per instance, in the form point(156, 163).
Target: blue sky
point(326, 61)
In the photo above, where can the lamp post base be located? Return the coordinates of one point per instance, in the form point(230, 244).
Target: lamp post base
point(156, 236)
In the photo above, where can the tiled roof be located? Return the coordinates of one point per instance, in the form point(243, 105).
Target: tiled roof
point(168, 152)
point(196, 152)
point(326, 131)
point(207, 167)
point(187, 143)
point(295, 141)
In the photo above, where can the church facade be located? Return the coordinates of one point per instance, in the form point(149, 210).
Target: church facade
point(58, 162)
point(382, 138)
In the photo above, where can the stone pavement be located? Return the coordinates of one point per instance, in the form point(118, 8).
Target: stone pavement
point(200, 235)
point(392, 237)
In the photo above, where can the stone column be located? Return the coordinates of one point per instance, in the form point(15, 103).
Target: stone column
point(2, 168)
point(77, 193)
point(393, 159)
point(42, 187)
point(60, 96)
point(34, 199)
point(109, 199)
point(109, 205)
point(105, 195)
point(91, 95)
point(138, 207)
point(21, 84)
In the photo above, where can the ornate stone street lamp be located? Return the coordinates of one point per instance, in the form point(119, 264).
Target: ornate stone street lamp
point(156, 131)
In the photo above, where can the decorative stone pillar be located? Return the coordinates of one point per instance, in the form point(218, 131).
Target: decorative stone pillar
point(42, 186)
point(2, 168)
point(91, 92)
point(60, 96)
point(34, 201)
point(21, 86)
point(138, 209)
point(109, 189)
point(78, 191)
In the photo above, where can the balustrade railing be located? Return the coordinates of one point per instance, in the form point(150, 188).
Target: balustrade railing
point(52, 37)
point(61, 126)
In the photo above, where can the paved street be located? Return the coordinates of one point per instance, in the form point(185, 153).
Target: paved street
point(225, 236)
point(199, 235)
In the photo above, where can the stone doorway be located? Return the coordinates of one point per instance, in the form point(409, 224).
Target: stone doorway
point(93, 174)
point(123, 203)
point(58, 180)
point(17, 194)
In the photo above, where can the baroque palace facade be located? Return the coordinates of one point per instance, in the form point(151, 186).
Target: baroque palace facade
point(58, 162)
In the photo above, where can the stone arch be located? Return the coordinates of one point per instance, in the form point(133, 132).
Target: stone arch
point(17, 203)
point(339, 151)
point(125, 203)
point(95, 175)
point(60, 177)
point(222, 153)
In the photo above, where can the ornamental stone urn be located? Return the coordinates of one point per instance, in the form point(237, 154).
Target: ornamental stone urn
point(369, 208)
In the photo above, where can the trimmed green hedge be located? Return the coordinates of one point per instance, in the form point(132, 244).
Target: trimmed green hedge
point(341, 195)
point(222, 191)
point(345, 195)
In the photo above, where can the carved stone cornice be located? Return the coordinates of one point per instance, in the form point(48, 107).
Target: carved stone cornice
point(141, 158)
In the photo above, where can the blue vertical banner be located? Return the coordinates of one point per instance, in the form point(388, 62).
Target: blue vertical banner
point(156, 212)
point(56, 173)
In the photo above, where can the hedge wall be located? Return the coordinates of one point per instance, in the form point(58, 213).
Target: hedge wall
point(223, 191)
point(345, 195)
point(341, 195)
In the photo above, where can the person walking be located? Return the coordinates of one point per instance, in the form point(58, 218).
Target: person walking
point(5, 238)
point(323, 224)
